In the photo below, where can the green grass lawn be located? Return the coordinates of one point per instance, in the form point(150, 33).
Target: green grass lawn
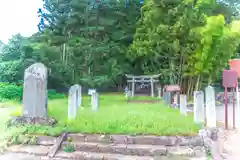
point(115, 116)
point(144, 98)
point(4, 116)
point(5, 109)
point(8, 103)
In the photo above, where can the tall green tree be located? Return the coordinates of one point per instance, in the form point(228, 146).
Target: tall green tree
point(168, 38)
point(218, 43)
point(93, 38)
point(164, 39)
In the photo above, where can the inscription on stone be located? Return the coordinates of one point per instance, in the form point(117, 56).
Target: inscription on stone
point(35, 91)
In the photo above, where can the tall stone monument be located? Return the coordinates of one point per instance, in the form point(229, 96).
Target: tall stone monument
point(35, 91)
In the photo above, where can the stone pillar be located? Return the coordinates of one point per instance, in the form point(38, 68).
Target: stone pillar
point(94, 101)
point(152, 87)
point(167, 97)
point(159, 92)
point(198, 108)
point(210, 107)
point(35, 91)
point(133, 86)
point(183, 104)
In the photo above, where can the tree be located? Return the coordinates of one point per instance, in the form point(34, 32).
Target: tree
point(183, 42)
point(218, 43)
point(92, 38)
point(164, 39)
point(95, 43)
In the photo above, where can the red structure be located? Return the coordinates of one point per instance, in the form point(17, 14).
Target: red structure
point(174, 91)
point(234, 64)
point(229, 80)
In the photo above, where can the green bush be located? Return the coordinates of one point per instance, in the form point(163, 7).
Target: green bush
point(10, 91)
point(52, 94)
point(14, 92)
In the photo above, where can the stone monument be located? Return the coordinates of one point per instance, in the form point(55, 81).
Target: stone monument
point(74, 100)
point(198, 108)
point(35, 91)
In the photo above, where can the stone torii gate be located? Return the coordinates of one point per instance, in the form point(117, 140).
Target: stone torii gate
point(142, 79)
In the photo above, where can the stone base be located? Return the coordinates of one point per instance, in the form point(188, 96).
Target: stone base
point(31, 121)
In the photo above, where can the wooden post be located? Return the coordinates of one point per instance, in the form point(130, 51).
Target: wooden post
point(152, 87)
point(133, 86)
point(233, 90)
point(226, 107)
point(237, 109)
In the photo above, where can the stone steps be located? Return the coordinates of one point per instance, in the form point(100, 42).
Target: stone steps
point(143, 152)
point(143, 140)
point(134, 149)
point(114, 147)
point(86, 156)
point(78, 155)
point(81, 155)
point(29, 149)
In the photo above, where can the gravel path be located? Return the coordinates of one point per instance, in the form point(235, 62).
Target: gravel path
point(231, 138)
point(231, 145)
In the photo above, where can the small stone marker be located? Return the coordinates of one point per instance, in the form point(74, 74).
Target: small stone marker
point(175, 101)
point(126, 92)
point(129, 93)
point(90, 91)
point(210, 106)
point(94, 101)
point(159, 92)
point(74, 100)
point(79, 95)
point(198, 107)
point(164, 96)
point(167, 97)
point(35, 91)
point(183, 104)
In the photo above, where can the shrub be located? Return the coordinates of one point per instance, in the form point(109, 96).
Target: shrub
point(14, 92)
point(10, 91)
point(69, 148)
point(52, 94)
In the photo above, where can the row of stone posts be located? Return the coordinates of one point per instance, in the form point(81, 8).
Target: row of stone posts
point(205, 110)
point(75, 100)
point(202, 110)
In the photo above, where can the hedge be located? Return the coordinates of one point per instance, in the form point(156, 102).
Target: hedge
point(10, 91)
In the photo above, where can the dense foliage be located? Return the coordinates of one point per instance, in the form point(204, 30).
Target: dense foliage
point(95, 43)
point(10, 91)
